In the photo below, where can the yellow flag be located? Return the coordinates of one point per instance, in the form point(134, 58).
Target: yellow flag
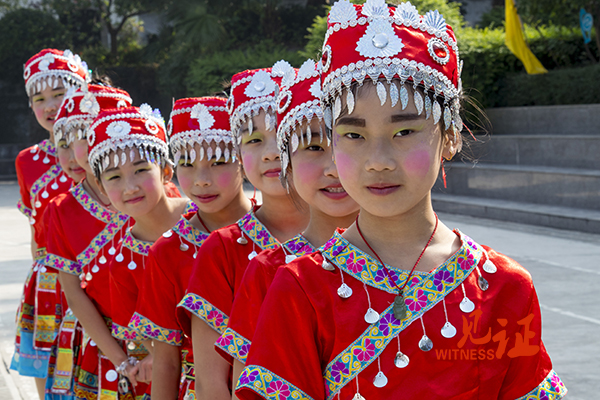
point(516, 42)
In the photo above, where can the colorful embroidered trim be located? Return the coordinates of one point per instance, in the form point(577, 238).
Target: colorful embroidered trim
point(419, 299)
point(62, 264)
point(187, 231)
point(268, 385)
point(125, 333)
point(210, 314)
point(151, 330)
point(257, 232)
point(135, 245)
point(103, 238)
point(40, 256)
point(43, 180)
point(299, 246)
point(190, 207)
point(24, 209)
point(551, 388)
point(234, 344)
point(363, 267)
point(91, 205)
point(47, 146)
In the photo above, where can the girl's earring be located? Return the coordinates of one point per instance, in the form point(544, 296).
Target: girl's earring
point(444, 174)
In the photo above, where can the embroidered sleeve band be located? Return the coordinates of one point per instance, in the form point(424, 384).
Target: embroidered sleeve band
point(201, 308)
point(234, 344)
point(152, 331)
point(268, 385)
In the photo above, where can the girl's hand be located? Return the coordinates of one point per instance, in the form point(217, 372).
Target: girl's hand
point(131, 372)
point(144, 373)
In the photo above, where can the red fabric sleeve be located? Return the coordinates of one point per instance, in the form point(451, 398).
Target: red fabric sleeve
point(21, 166)
point(155, 314)
point(210, 292)
point(279, 332)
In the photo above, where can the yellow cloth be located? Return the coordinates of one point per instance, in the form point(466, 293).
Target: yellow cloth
point(516, 42)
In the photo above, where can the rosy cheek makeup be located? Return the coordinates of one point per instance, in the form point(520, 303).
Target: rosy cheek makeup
point(225, 179)
point(307, 172)
point(417, 163)
point(344, 164)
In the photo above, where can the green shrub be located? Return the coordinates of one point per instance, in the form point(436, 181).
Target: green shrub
point(24, 32)
point(208, 74)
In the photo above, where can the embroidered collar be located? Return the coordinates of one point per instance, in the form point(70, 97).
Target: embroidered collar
point(114, 226)
point(257, 232)
point(90, 205)
point(48, 147)
point(51, 174)
point(299, 246)
point(187, 231)
point(365, 268)
point(136, 245)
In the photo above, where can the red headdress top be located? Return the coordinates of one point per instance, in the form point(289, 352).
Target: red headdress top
point(382, 42)
point(137, 129)
point(81, 105)
point(298, 101)
point(202, 120)
point(252, 91)
point(50, 67)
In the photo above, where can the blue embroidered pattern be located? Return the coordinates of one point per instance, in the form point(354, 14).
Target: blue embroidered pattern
point(188, 232)
point(151, 330)
point(91, 205)
point(237, 345)
point(252, 228)
point(268, 385)
point(551, 388)
point(135, 245)
point(214, 317)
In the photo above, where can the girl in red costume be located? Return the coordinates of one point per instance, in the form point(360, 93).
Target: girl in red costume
point(371, 314)
point(224, 256)
point(308, 167)
point(47, 75)
point(84, 231)
point(210, 174)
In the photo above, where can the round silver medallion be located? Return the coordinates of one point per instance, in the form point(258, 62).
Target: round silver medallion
point(112, 251)
point(371, 316)
point(111, 375)
point(466, 305)
point(132, 265)
point(242, 240)
point(183, 247)
point(344, 291)
point(489, 267)
point(380, 40)
point(102, 260)
point(119, 257)
point(63, 179)
point(448, 330)
point(95, 269)
point(131, 346)
point(54, 186)
point(88, 276)
point(380, 380)
point(401, 360)
point(45, 194)
point(425, 343)
point(328, 266)
point(168, 234)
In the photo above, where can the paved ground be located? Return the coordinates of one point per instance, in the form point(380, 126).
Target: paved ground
point(565, 267)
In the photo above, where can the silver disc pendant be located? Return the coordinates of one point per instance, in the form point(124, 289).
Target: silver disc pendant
point(401, 360)
point(483, 283)
point(168, 234)
point(183, 247)
point(45, 194)
point(380, 380)
point(195, 255)
point(31, 221)
point(36, 157)
point(112, 251)
point(46, 160)
point(37, 364)
point(242, 240)
point(252, 255)
point(43, 269)
point(132, 265)
point(95, 269)
point(425, 343)
point(358, 396)
point(54, 186)
point(38, 204)
point(34, 212)
point(327, 266)
point(466, 305)
point(344, 291)
point(131, 345)
point(102, 260)
point(88, 276)
point(81, 276)
point(289, 258)
point(489, 267)
point(119, 257)
point(63, 179)
point(371, 316)
point(448, 330)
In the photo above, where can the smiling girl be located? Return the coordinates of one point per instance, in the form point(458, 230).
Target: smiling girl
point(83, 230)
point(224, 256)
point(359, 319)
point(210, 174)
point(309, 169)
point(47, 75)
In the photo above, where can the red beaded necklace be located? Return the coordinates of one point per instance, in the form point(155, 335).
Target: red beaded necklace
point(399, 304)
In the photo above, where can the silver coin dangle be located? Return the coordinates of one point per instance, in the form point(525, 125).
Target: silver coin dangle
point(183, 247)
point(489, 267)
point(119, 257)
point(371, 316)
point(401, 360)
point(95, 269)
point(448, 330)
point(54, 186)
point(63, 179)
point(242, 240)
point(327, 266)
point(344, 291)
point(466, 305)
point(88, 276)
point(425, 343)
point(289, 258)
point(483, 283)
point(252, 255)
point(132, 265)
point(102, 260)
point(112, 251)
point(380, 380)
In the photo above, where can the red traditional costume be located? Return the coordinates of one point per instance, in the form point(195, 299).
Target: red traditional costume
point(332, 323)
point(237, 338)
point(133, 131)
point(195, 120)
point(41, 179)
point(312, 341)
point(224, 256)
point(298, 103)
